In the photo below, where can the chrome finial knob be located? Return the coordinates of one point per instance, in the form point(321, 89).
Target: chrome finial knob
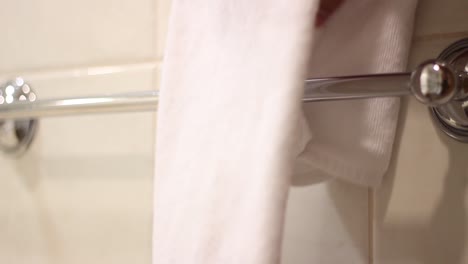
point(434, 83)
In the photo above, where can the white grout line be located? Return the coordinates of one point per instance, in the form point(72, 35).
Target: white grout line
point(74, 72)
point(370, 199)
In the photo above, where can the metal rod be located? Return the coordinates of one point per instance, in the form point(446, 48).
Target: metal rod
point(142, 101)
point(323, 89)
point(357, 87)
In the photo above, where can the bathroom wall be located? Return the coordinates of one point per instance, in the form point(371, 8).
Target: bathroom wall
point(82, 193)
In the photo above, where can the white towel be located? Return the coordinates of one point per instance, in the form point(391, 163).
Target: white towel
point(352, 140)
point(227, 136)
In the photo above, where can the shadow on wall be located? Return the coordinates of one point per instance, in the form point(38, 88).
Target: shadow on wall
point(345, 203)
point(442, 239)
point(59, 202)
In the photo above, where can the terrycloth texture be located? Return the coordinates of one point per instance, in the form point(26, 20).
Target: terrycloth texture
point(228, 133)
point(230, 99)
point(352, 140)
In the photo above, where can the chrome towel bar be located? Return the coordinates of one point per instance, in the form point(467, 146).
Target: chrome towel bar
point(130, 102)
point(442, 84)
point(320, 89)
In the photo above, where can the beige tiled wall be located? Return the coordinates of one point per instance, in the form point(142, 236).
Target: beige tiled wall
point(51, 34)
point(327, 223)
point(82, 193)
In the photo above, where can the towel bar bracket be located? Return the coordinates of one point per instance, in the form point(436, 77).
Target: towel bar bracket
point(452, 117)
point(16, 134)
